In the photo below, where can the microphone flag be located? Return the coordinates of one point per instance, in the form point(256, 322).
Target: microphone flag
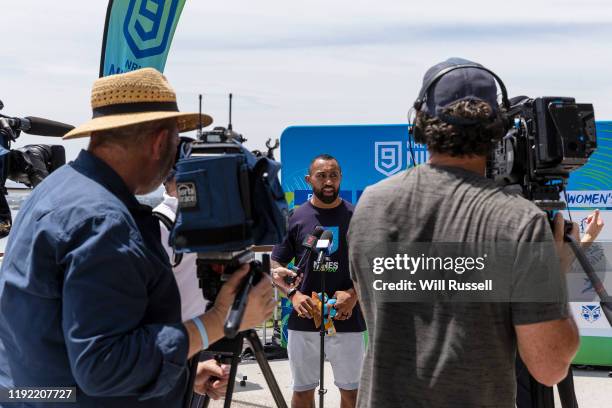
point(138, 34)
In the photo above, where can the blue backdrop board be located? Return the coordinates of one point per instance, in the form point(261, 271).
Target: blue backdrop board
point(370, 153)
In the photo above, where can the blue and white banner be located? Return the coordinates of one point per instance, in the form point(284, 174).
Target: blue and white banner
point(370, 153)
point(138, 34)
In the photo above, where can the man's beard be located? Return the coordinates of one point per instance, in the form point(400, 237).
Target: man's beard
point(327, 199)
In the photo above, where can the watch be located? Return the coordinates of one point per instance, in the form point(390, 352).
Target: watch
point(291, 292)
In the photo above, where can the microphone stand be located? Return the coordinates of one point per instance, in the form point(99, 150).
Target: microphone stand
point(322, 333)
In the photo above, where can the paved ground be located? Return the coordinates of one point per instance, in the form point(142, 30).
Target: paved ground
point(593, 387)
point(256, 393)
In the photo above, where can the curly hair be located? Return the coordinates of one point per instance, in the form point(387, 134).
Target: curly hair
point(461, 140)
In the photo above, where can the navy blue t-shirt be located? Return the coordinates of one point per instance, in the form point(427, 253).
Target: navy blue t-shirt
point(302, 223)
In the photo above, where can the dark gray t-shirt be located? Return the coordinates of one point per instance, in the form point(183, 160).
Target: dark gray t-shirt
point(442, 354)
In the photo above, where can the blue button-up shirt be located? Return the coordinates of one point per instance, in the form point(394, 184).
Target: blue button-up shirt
point(87, 295)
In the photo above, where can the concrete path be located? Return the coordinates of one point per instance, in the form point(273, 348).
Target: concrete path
point(593, 387)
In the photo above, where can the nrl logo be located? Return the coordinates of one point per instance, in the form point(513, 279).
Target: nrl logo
point(388, 157)
point(147, 26)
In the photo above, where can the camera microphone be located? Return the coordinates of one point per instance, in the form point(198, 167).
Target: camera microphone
point(33, 125)
point(323, 245)
point(45, 127)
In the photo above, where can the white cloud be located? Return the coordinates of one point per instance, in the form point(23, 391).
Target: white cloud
point(310, 62)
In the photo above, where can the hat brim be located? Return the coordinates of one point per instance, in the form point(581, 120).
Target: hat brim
point(185, 121)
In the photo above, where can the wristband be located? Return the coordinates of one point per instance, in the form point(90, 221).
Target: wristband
point(291, 292)
point(202, 330)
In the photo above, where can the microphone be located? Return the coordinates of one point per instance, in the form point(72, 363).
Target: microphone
point(45, 127)
point(309, 243)
point(323, 245)
point(311, 240)
point(39, 126)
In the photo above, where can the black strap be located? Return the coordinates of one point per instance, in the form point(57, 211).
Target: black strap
point(169, 225)
point(136, 107)
point(421, 98)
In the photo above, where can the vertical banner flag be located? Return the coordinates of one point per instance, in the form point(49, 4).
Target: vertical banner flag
point(138, 34)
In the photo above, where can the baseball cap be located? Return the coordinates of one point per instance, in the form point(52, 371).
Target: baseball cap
point(464, 83)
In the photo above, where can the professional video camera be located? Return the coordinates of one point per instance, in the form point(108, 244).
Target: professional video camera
point(551, 137)
point(229, 200)
point(29, 164)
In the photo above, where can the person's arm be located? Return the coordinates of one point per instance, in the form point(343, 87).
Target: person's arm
point(302, 303)
point(260, 306)
point(547, 337)
point(594, 226)
point(281, 255)
point(105, 299)
point(112, 352)
point(547, 348)
point(279, 272)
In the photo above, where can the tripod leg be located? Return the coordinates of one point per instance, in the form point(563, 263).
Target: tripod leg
point(530, 393)
point(253, 339)
point(232, 378)
point(193, 369)
point(567, 393)
point(542, 396)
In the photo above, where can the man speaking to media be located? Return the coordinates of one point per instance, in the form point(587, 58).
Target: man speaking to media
point(87, 294)
point(453, 354)
point(345, 349)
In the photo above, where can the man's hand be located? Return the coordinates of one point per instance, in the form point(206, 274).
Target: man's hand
point(594, 226)
point(303, 305)
point(204, 383)
point(259, 308)
point(260, 305)
point(345, 303)
point(278, 277)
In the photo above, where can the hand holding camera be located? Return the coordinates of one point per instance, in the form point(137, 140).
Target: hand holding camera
point(260, 304)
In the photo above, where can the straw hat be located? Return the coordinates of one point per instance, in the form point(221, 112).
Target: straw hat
point(135, 97)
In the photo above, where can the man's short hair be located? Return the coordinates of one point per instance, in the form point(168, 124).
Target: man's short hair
point(461, 140)
point(325, 157)
point(132, 135)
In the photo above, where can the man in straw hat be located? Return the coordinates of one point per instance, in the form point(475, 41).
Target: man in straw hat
point(87, 295)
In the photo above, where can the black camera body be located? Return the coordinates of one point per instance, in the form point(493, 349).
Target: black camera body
point(550, 137)
point(29, 164)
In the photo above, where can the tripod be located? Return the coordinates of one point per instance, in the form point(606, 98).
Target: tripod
point(228, 351)
point(542, 396)
point(229, 348)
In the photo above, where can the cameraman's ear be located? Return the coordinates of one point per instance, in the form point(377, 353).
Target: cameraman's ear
point(158, 143)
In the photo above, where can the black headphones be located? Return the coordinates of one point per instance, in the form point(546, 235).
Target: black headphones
point(418, 103)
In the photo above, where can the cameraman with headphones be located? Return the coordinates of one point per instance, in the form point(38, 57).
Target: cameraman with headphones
point(443, 354)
